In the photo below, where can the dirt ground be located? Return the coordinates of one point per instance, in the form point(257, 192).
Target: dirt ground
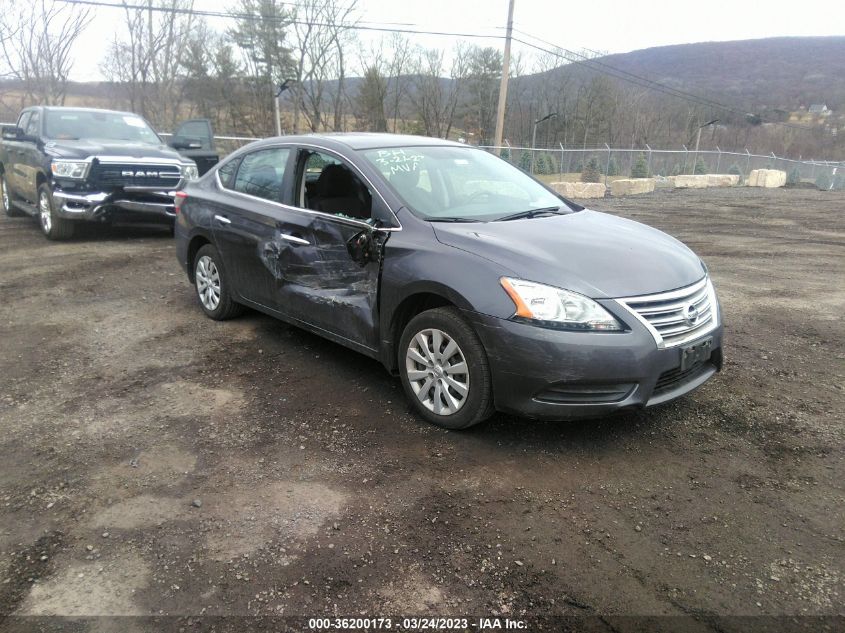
point(154, 462)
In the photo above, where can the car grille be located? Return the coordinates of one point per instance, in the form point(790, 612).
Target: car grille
point(134, 175)
point(672, 378)
point(679, 316)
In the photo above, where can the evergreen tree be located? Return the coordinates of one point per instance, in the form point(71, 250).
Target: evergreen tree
point(640, 168)
point(591, 172)
point(700, 168)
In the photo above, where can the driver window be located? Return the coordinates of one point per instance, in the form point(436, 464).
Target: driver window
point(32, 124)
point(330, 186)
point(23, 121)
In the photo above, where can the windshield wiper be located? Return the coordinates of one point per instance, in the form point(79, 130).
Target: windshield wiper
point(451, 219)
point(531, 213)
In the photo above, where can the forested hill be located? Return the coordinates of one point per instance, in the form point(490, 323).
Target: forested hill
point(772, 73)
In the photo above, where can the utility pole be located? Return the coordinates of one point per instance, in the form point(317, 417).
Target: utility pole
point(276, 113)
point(534, 136)
point(282, 87)
point(698, 140)
point(503, 87)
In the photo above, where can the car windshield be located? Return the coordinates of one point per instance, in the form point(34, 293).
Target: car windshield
point(455, 184)
point(87, 124)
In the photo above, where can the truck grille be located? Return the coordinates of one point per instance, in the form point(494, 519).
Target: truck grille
point(679, 316)
point(134, 175)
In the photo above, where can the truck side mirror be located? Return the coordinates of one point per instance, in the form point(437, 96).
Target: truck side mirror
point(182, 142)
point(12, 133)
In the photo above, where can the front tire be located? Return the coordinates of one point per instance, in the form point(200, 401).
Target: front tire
point(6, 199)
point(53, 226)
point(212, 285)
point(444, 369)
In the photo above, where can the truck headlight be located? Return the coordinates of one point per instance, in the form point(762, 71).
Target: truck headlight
point(557, 308)
point(190, 172)
point(69, 169)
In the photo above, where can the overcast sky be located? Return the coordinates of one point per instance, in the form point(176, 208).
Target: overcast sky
point(612, 26)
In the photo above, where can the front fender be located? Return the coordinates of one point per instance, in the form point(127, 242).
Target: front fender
point(417, 264)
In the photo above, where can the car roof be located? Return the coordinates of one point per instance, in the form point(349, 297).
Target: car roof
point(361, 140)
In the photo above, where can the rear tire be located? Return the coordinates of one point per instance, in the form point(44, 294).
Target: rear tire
point(212, 285)
point(444, 369)
point(53, 226)
point(10, 210)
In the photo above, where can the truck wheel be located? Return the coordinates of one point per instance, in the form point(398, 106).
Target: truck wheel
point(444, 369)
point(212, 284)
point(8, 209)
point(54, 227)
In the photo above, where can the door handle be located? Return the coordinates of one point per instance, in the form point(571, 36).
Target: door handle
point(294, 239)
point(222, 219)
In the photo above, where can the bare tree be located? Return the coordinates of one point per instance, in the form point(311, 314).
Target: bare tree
point(435, 97)
point(149, 60)
point(321, 32)
point(397, 81)
point(37, 38)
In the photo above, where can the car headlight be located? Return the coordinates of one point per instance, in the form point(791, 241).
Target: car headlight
point(190, 172)
point(557, 308)
point(69, 169)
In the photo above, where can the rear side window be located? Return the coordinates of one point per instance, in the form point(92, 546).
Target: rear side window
point(262, 173)
point(227, 173)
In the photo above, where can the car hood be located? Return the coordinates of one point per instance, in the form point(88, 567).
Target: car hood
point(592, 253)
point(84, 148)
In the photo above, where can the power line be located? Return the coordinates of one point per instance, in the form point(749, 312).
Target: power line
point(354, 26)
point(557, 51)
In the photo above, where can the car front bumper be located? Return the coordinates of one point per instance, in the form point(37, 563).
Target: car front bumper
point(140, 204)
point(550, 374)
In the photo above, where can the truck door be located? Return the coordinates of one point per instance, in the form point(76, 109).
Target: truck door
point(30, 157)
point(194, 139)
point(14, 156)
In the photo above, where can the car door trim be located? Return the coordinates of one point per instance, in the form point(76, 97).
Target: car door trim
point(323, 214)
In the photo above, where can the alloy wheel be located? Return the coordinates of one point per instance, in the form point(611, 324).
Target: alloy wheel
point(437, 371)
point(6, 202)
point(45, 212)
point(208, 282)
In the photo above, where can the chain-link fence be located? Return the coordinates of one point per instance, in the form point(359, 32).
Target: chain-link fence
point(609, 163)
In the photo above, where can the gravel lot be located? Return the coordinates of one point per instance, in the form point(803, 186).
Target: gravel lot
point(155, 462)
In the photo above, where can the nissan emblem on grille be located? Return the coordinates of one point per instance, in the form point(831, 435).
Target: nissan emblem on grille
point(691, 314)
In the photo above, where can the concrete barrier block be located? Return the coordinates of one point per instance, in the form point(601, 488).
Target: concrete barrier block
point(767, 178)
point(722, 180)
point(689, 181)
point(631, 186)
point(579, 189)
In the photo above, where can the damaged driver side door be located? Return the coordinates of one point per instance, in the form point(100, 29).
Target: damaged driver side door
point(331, 256)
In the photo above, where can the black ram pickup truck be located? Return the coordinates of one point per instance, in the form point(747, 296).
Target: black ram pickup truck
point(69, 165)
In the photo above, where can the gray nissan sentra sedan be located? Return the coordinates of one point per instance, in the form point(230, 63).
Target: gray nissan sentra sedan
point(480, 287)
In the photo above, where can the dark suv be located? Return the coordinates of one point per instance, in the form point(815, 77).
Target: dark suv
point(478, 285)
point(66, 165)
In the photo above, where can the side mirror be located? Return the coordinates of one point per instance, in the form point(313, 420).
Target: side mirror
point(362, 248)
point(12, 133)
point(181, 142)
